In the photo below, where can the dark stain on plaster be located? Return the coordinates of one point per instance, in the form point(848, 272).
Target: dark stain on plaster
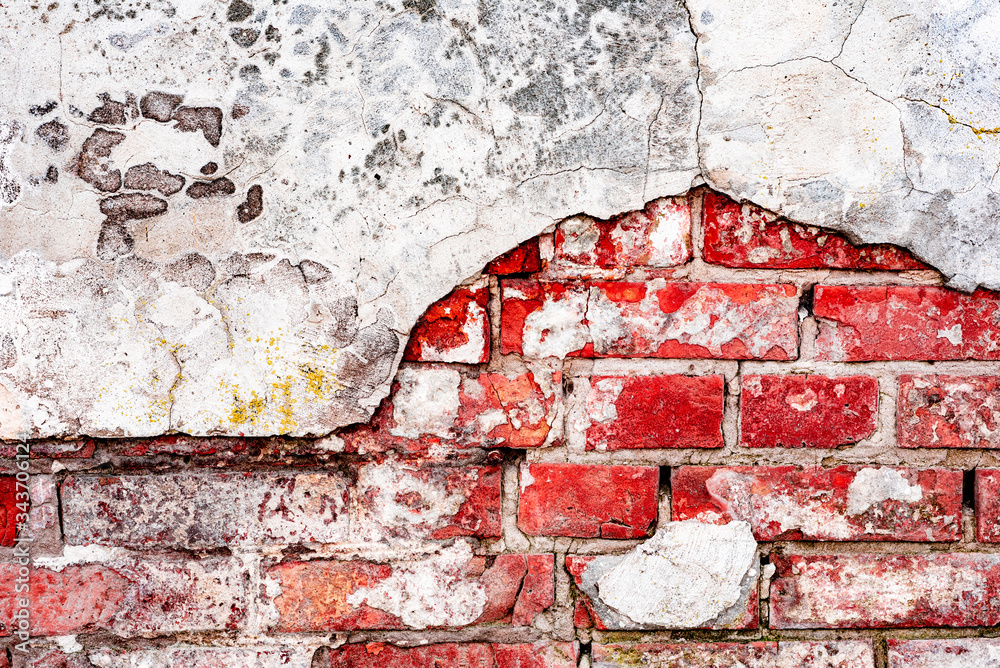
point(54, 134)
point(148, 177)
point(253, 206)
point(215, 188)
point(91, 163)
point(159, 106)
point(206, 119)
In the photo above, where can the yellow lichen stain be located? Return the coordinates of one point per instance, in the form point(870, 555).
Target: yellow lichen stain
point(246, 412)
point(282, 397)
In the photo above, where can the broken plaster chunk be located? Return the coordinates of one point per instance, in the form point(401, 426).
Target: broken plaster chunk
point(684, 576)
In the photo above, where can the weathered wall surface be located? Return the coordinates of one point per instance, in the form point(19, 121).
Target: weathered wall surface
point(690, 436)
point(229, 215)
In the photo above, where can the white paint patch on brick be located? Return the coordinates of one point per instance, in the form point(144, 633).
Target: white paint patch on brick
point(871, 486)
point(602, 397)
point(839, 654)
point(558, 328)
point(427, 402)
point(205, 657)
point(953, 334)
point(684, 576)
point(381, 514)
point(669, 235)
point(732, 491)
point(431, 592)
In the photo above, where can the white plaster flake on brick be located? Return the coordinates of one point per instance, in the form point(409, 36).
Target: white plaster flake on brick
point(431, 592)
point(873, 486)
point(427, 402)
point(687, 574)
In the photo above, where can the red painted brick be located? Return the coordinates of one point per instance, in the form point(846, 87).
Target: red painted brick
point(885, 591)
point(625, 412)
point(131, 598)
point(205, 510)
point(586, 572)
point(523, 259)
point(987, 490)
point(813, 503)
point(944, 653)
point(906, 323)
point(450, 590)
point(14, 509)
point(588, 501)
point(807, 411)
point(791, 654)
point(948, 411)
point(397, 502)
point(455, 329)
point(438, 408)
point(745, 236)
point(455, 655)
point(656, 237)
point(649, 319)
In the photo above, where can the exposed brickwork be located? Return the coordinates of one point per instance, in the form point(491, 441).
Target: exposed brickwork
point(625, 443)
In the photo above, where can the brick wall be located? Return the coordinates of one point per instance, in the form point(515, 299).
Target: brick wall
point(697, 360)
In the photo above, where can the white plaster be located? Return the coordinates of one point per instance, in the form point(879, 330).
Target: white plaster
point(684, 576)
point(427, 402)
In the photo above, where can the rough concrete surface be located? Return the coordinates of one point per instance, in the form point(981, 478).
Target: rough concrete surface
point(224, 218)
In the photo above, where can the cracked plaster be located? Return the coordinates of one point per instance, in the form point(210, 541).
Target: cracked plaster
point(346, 164)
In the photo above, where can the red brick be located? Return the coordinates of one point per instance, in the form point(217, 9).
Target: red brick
point(396, 502)
point(131, 598)
point(987, 489)
point(454, 655)
point(944, 653)
point(885, 591)
point(523, 259)
point(649, 319)
point(589, 611)
point(745, 236)
point(948, 411)
point(11, 515)
point(588, 501)
point(450, 590)
point(791, 654)
point(469, 411)
point(205, 510)
point(813, 503)
point(625, 412)
point(455, 329)
point(656, 237)
point(898, 322)
point(807, 411)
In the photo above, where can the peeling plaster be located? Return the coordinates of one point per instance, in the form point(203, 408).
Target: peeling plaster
point(219, 224)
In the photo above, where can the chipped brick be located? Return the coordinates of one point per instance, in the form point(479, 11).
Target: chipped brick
point(898, 322)
point(397, 502)
point(454, 329)
point(588, 501)
point(196, 510)
point(656, 237)
point(131, 597)
point(452, 589)
point(435, 406)
point(807, 411)
point(10, 513)
point(853, 503)
point(885, 591)
point(654, 412)
point(790, 654)
point(943, 653)
point(466, 655)
point(522, 259)
point(745, 236)
point(987, 492)
point(936, 411)
point(650, 319)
